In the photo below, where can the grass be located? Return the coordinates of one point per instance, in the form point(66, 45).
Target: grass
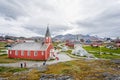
point(106, 56)
point(11, 69)
point(19, 73)
point(2, 44)
point(4, 59)
point(4, 71)
point(80, 69)
point(8, 72)
point(106, 53)
point(2, 47)
point(68, 52)
point(56, 45)
point(103, 49)
point(83, 70)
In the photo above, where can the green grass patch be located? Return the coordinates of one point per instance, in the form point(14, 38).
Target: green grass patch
point(55, 43)
point(3, 55)
point(106, 56)
point(11, 69)
point(105, 52)
point(2, 51)
point(2, 47)
point(69, 51)
point(2, 44)
point(103, 49)
point(4, 59)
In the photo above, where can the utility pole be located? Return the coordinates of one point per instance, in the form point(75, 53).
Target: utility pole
point(100, 50)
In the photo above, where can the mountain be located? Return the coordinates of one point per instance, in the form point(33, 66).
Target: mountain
point(76, 37)
point(64, 37)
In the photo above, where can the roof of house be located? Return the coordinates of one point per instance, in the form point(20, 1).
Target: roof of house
point(29, 46)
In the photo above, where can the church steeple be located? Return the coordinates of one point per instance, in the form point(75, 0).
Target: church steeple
point(47, 32)
point(47, 36)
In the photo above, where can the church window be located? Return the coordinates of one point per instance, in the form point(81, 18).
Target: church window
point(35, 53)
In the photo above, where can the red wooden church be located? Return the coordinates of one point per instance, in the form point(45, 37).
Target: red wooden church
point(33, 50)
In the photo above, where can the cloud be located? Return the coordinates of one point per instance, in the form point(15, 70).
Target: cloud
point(31, 17)
point(10, 10)
point(54, 29)
point(105, 24)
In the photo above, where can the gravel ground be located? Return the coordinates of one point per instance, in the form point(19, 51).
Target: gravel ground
point(29, 64)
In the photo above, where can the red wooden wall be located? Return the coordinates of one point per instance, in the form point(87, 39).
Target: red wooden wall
point(41, 55)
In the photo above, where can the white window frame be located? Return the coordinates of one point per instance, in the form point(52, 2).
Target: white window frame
point(22, 53)
point(28, 53)
point(42, 53)
point(16, 52)
point(35, 53)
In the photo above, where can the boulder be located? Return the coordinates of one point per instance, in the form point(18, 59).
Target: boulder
point(42, 68)
point(109, 76)
point(55, 77)
point(116, 61)
point(3, 78)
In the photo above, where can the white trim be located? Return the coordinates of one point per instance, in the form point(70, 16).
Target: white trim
point(45, 54)
point(42, 53)
point(16, 53)
point(47, 39)
point(35, 53)
point(28, 53)
point(50, 40)
point(48, 46)
point(22, 53)
point(10, 52)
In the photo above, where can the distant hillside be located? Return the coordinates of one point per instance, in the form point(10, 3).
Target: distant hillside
point(58, 37)
point(75, 37)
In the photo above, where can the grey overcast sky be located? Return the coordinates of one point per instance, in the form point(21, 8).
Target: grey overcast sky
point(31, 17)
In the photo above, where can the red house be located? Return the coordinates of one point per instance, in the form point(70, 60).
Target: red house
point(33, 50)
point(69, 44)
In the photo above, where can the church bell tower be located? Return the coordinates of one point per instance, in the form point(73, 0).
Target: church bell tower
point(47, 36)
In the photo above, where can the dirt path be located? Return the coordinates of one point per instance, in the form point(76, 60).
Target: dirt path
point(30, 64)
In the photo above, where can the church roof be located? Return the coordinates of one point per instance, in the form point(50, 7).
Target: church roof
point(47, 32)
point(30, 46)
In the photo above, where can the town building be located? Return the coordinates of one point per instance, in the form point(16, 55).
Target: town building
point(33, 50)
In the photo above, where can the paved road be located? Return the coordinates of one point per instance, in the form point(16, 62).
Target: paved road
point(62, 58)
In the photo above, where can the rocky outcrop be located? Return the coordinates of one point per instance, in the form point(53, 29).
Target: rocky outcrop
point(116, 61)
point(109, 76)
point(42, 68)
point(55, 77)
point(3, 78)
